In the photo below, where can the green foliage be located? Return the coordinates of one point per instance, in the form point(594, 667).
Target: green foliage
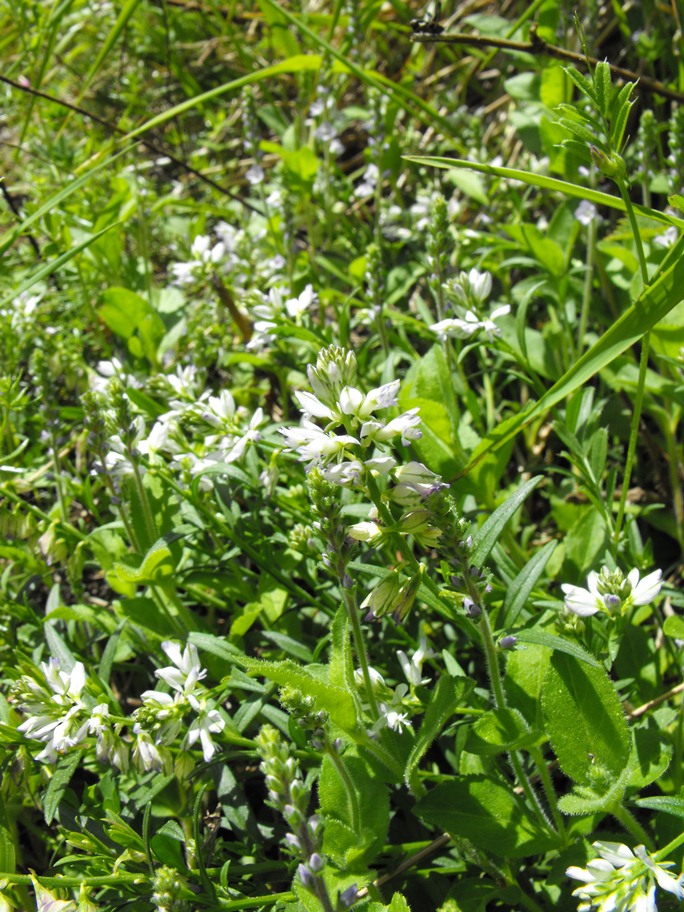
point(341, 516)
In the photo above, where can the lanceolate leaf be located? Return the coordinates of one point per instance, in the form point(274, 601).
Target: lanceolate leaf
point(486, 537)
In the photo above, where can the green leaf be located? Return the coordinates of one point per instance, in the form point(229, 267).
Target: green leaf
point(338, 703)
point(543, 182)
point(107, 659)
point(519, 590)
point(428, 386)
point(486, 813)
point(666, 803)
point(583, 801)
point(585, 722)
point(499, 731)
point(341, 658)
point(487, 536)
point(674, 627)
point(8, 863)
point(62, 773)
point(558, 644)
point(355, 825)
point(166, 845)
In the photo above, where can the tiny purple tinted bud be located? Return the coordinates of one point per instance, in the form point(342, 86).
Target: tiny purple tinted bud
point(305, 876)
point(471, 609)
point(508, 642)
point(347, 581)
point(316, 863)
point(348, 898)
point(337, 744)
point(612, 601)
point(313, 824)
point(317, 744)
point(293, 841)
point(371, 616)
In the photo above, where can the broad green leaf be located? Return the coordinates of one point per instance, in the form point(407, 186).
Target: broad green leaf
point(651, 755)
point(338, 703)
point(62, 772)
point(524, 679)
point(355, 830)
point(487, 536)
point(166, 845)
point(674, 627)
point(429, 387)
point(519, 590)
point(488, 814)
point(499, 731)
point(585, 722)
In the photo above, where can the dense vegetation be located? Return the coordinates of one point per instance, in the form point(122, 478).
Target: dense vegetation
point(341, 506)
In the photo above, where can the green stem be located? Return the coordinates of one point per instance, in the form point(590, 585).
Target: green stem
point(588, 284)
point(633, 435)
point(549, 791)
point(633, 827)
point(352, 797)
point(360, 644)
point(643, 366)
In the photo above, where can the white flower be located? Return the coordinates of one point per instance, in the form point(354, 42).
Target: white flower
point(611, 592)
point(667, 238)
point(645, 590)
point(207, 723)
point(313, 444)
point(586, 212)
point(469, 325)
point(413, 667)
point(623, 881)
point(186, 671)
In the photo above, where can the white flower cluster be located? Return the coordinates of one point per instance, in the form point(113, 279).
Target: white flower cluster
point(158, 722)
point(623, 881)
point(352, 443)
point(273, 309)
point(195, 434)
point(61, 712)
point(611, 593)
point(469, 292)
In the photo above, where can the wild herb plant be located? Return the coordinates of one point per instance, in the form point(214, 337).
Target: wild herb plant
point(340, 396)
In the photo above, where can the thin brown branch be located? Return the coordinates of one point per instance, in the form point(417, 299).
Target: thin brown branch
point(538, 46)
point(407, 863)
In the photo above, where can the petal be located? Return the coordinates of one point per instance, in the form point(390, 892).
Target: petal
point(648, 588)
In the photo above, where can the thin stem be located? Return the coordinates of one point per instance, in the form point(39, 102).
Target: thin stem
point(643, 366)
point(633, 827)
point(633, 436)
point(360, 644)
point(549, 791)
point(588, 284)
